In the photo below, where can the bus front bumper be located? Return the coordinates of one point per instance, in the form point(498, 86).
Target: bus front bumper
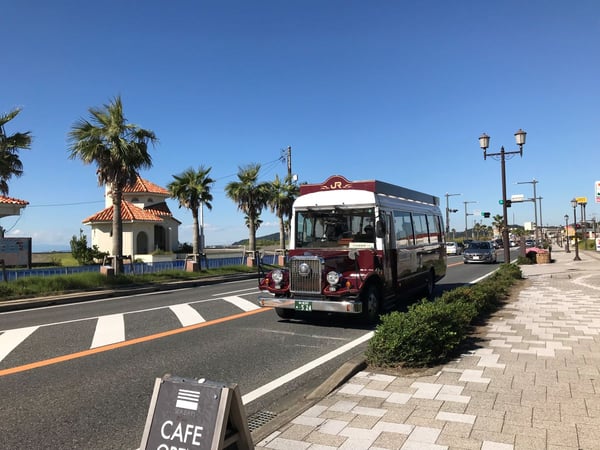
point(311, 304)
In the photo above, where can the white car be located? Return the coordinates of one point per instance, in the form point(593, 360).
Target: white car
point(452, 248)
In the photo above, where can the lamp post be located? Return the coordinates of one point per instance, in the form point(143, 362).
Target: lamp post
point(574, 205)
point(484, 143)
point(567, 233)
point(466, 215)
point(535, 217)
point(583, 223)
point(448, 211)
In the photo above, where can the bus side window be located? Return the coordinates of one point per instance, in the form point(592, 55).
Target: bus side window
point(420, 224)
point(403, 227)
point(435, 234)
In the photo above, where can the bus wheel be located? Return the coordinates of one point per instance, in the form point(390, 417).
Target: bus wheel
point(285, 313)
point(371, 304)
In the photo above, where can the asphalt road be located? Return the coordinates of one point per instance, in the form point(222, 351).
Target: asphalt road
point(81, 375)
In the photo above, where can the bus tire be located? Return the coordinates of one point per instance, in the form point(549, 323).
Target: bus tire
point(371, 304)
point(285, 313)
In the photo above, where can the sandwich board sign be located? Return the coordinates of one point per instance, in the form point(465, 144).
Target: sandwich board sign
point(195, 414)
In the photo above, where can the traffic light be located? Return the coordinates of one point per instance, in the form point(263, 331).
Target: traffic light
point(508, 203)
point(486, 214)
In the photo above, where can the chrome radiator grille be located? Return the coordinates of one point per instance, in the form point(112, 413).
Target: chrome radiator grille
point(305, 275)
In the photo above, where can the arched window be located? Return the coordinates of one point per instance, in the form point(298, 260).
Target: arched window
point(141, 243)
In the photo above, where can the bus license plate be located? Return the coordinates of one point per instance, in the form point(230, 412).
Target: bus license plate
point(300, 305)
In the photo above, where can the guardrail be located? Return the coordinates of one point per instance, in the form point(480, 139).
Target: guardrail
point(138, 268)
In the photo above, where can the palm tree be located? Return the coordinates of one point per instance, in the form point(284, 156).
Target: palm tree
point(119, 150)
point(250, 196)
point(192, 189)
point(498, 223)
point(281, 199)
point(10, 164)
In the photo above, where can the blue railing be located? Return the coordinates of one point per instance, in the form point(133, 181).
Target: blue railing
point(135, 268)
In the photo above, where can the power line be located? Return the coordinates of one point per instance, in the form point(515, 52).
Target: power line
point(65, 204)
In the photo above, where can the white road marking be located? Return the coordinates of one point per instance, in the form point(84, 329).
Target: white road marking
point(12, 338)
point(109, 329)
point(186, 314)
point(257, 393)
point(241, 303)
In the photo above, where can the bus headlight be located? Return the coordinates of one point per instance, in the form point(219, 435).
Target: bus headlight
point(333, 278)
point(277, 276)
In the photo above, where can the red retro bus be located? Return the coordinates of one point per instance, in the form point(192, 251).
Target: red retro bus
point(357, 247)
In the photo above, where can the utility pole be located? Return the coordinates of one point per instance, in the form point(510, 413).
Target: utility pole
point(448, 211)
point(289, 161)
point(467, 214)
point(535, 198)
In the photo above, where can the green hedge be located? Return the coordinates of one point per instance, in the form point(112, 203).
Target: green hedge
point(430, 332)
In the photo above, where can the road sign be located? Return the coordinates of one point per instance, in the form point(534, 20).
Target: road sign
point(195, 415)
point(597, 191)
point(581, 200)
point(517, 198)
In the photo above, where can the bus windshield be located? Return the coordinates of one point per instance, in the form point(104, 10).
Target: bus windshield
point(335, 227)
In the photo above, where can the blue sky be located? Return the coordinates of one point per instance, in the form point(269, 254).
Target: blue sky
point(398, 91)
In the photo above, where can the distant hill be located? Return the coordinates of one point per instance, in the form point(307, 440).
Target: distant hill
point(269, 238)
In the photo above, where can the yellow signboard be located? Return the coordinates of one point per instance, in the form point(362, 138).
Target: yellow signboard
point(581, 199)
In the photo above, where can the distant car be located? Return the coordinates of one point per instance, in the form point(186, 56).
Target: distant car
point(498, 243)
point(529, 243)
point(452, 248)
point(480, 252)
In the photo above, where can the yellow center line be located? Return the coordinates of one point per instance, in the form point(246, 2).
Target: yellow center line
point(109, 347)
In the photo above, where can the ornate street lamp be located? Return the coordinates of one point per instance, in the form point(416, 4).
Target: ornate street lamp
point(574, 205)
point(567, 233)
point(484, 143)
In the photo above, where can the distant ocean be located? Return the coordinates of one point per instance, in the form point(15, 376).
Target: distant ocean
point(49, 249)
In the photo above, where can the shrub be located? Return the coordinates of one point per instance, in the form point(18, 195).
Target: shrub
point(429, 332)
point(425, 334)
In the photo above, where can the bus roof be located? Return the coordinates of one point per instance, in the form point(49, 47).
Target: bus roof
point(339, 183)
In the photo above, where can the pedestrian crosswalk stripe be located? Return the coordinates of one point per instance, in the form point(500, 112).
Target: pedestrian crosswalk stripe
point(12, 338)
point(109, 330)
point(241, 303)
point(186, 314)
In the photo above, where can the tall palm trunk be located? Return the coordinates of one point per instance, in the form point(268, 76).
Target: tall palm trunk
point(252, 237)
point(281, 233)
point(196, 233)
point(117, 231)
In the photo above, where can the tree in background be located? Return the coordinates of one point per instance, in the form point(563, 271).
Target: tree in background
point(119, 150)
point(251, 197)
point(498, 223)
point(191, 189)
point(10, 164)
point(84, 254)
point(281, 198)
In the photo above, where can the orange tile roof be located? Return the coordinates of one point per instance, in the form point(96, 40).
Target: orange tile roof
point(12, 201)
point(142, 185)
point(129, 213)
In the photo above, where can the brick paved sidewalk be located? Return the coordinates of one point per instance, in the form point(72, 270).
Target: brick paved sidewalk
point(534, 382)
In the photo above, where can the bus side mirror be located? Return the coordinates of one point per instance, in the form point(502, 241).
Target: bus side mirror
point(380, 228)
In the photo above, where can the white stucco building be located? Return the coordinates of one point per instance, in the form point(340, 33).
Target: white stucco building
point(148, 224)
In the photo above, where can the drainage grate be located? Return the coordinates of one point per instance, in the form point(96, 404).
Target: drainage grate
point(260, 418)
